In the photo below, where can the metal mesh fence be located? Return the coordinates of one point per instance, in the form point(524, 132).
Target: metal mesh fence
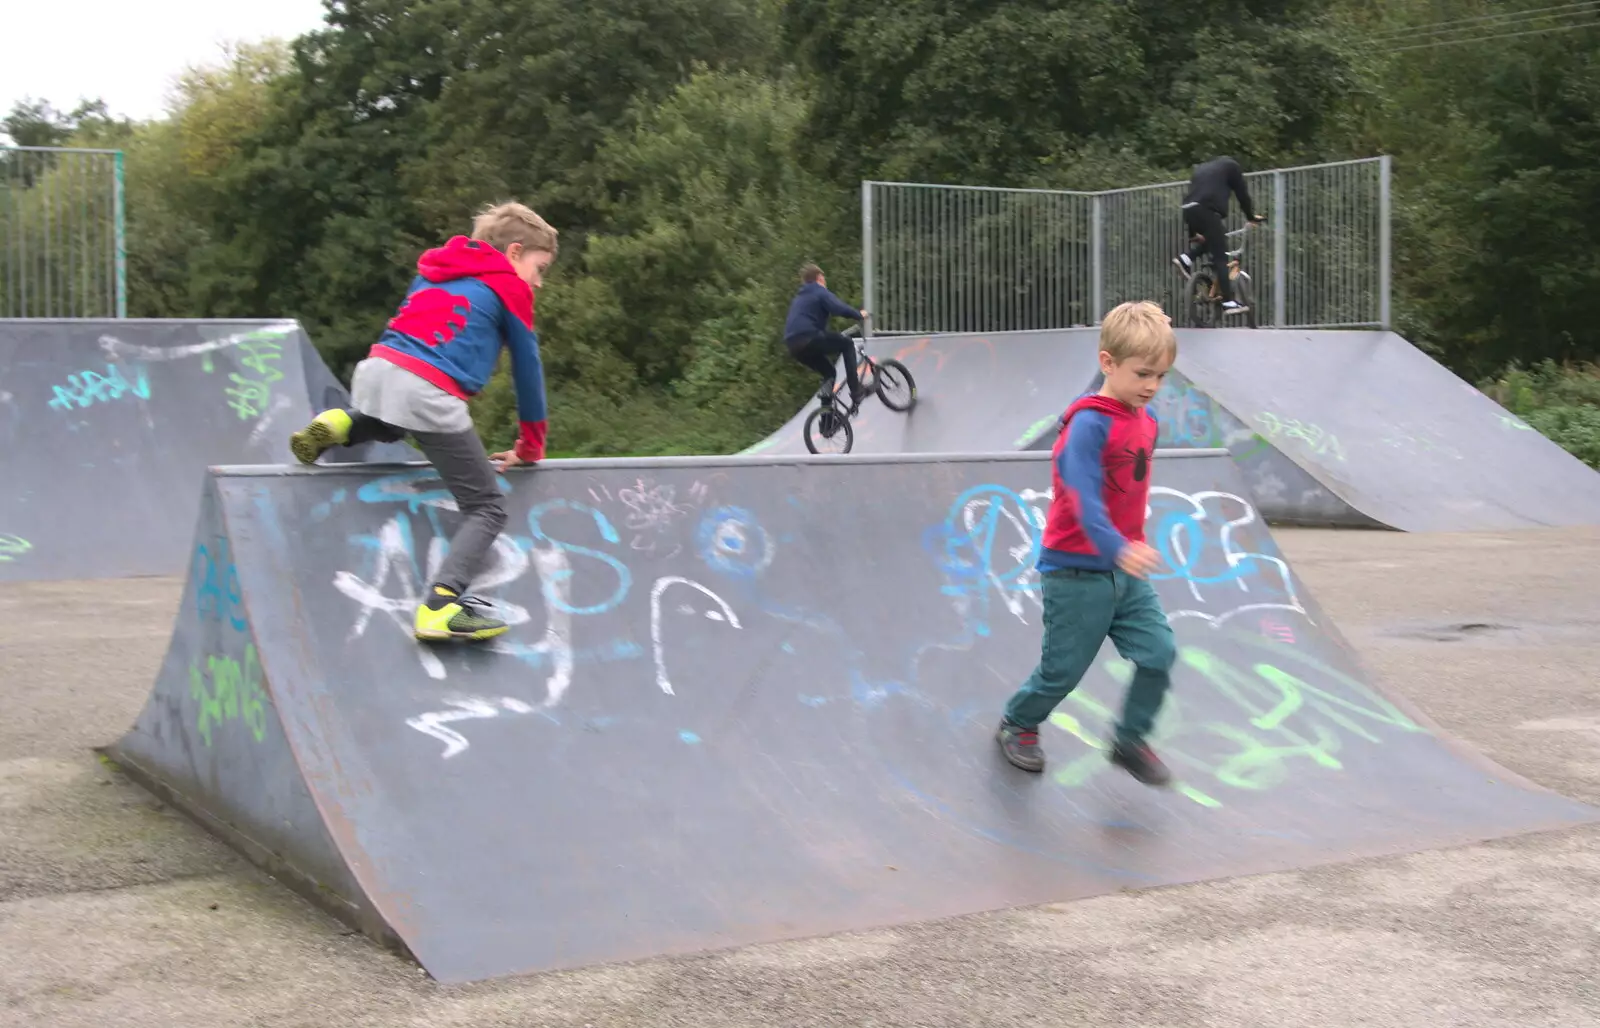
point(61, 233)
point(979, 259)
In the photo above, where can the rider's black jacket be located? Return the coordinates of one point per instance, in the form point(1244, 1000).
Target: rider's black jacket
point(1212, 181)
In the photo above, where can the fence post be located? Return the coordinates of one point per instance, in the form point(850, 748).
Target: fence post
point(120, 216)
point(1097, 263)
point(1384, 242)
point(1280, 252)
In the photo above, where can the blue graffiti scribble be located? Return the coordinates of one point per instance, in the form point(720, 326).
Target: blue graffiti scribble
point(966, 552)
point(90, 387)
point(321, 511)
point(537, 656)
point(871, 695)
point(731, 541)
point(689, 737)
point(1194, 550)
point(218, 593)
point(402, 487)
point(964, 549)
point(1184, 416)
point(607, 532)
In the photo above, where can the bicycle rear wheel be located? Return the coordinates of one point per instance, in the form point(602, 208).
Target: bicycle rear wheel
point(827, 430)
point(896, 388)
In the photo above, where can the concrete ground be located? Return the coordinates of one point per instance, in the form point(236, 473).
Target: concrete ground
point(114, 911)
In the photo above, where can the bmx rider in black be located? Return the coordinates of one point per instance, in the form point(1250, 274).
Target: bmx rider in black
point(806, 334)
point(1205, 205)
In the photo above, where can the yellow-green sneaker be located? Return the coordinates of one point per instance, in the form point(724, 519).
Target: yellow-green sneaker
point(446, 615)
point(329, 429)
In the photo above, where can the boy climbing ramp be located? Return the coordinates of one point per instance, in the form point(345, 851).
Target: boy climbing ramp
point(470, 297)
point(1094, 564)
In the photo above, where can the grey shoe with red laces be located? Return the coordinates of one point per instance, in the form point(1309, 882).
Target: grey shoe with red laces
point(1020, 746)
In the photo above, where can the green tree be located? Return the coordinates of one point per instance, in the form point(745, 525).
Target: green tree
point(677, 314)
point(1498, 189)
point(1015, 93)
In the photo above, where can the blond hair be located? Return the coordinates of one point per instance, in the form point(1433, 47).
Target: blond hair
point(502, 224)
point(1138, 328)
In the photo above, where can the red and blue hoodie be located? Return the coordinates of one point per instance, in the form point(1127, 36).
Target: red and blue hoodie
point(1101, 476)
point(465, 303)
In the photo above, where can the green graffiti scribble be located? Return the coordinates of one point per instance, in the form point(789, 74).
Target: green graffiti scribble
point(1418, 445)
point(1514, 422)
point(234, 693)
point(1259, 445)
point(1072, 726)
point(1191, 793)
point(1121, 671)
point(1031, 433)
point(1317, 439)
point(1259, 765)
point(207, 364)
point(249, 397)
point(12, 547)
point(1284, 723)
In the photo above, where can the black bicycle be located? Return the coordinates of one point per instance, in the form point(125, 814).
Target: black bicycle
point(829, 425)
point(1204, 296)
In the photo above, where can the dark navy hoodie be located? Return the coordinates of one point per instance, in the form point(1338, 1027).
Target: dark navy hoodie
point(809, 311)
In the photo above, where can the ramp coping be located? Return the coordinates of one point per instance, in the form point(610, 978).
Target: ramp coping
point(711, 461)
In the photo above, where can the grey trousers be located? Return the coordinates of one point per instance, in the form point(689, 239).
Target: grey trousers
point(463, 465)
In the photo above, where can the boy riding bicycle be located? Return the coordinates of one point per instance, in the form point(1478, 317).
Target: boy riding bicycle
point(1205, 205)
point(806, 334)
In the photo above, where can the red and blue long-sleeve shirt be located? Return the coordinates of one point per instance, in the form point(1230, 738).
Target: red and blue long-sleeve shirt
point(1100, 470)
point(465, 303)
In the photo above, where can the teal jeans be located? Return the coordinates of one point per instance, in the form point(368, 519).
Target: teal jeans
point(1082, 608)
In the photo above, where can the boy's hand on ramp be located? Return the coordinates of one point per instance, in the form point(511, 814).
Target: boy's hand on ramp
point(506, 459)
point(1138, 560)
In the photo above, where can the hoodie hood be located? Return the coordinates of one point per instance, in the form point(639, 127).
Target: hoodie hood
point(462, 258)
point(1094, 401)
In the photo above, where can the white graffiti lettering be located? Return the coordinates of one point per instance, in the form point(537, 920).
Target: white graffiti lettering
point(726, 615)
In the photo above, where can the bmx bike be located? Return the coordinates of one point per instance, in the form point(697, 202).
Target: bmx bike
point(1204, 297)
point(827, 429)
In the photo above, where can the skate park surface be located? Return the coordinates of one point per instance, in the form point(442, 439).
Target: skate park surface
point(115, 909)
point(1332, 895)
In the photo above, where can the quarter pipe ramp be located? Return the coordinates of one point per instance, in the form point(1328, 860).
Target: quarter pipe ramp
point(747, 699)
point(1328, 428)
point(975, 394)
point(108, 427)
point(1384, 429)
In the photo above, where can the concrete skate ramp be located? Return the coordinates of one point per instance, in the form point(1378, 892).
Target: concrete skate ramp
point(975, 394)
point(748, 700)
point(108, 427)
point(1385, 430)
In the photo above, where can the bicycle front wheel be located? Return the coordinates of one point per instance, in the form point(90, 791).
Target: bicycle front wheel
point(827, 430)
point(896, 388)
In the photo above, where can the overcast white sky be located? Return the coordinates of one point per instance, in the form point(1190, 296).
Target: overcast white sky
point(64, 51)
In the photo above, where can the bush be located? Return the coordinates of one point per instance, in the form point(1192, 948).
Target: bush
point(1560, 401)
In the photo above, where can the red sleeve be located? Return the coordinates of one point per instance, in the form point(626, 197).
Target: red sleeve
point(530, 443)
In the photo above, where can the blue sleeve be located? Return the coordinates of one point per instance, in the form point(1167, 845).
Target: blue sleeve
point(1082, 468)
point(527, 374)
point(838, 308)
